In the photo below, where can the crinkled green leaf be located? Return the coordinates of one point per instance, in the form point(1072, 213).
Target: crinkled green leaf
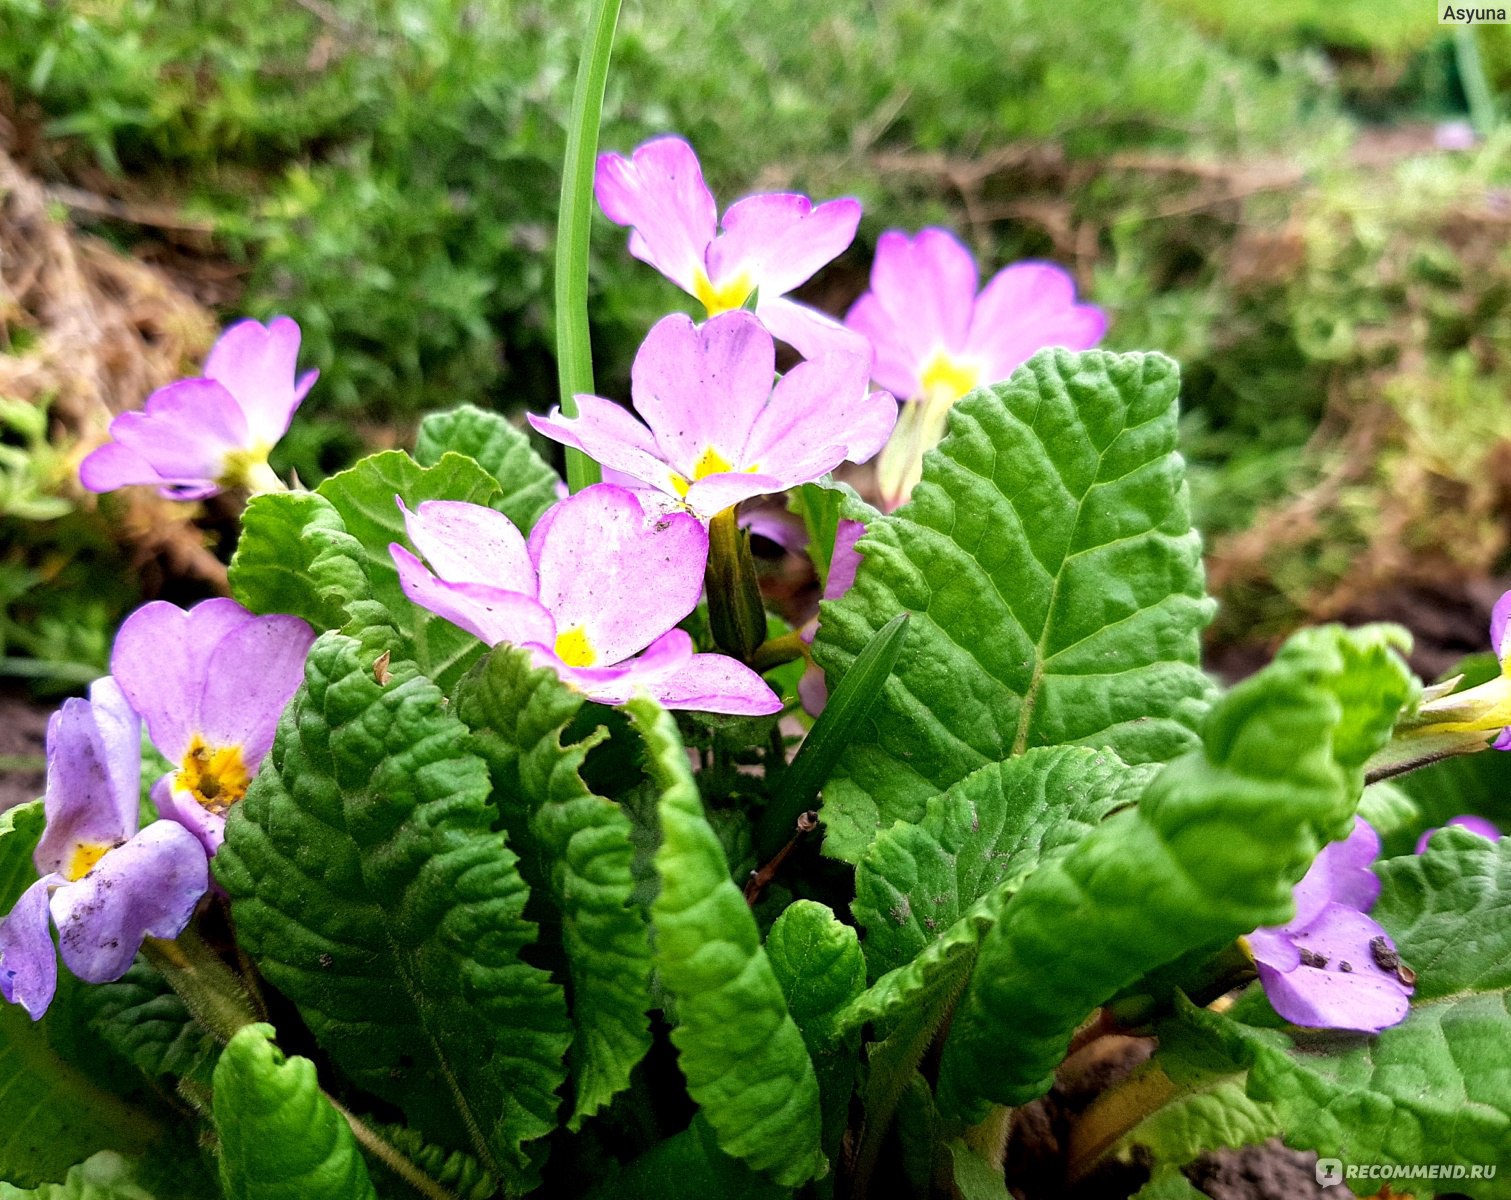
point(1212, 851)
point(368, 884)
point(820, 968)
point(1055, 583)
point(294, 556)
point(584, 850)
point(458, 1173)
point(987, 832)
point(102, 1176)
point(280, 1139)
point(742, 1056)
point(688, 1166)
point(142, 1019)
point(1437, 1087)
point(55, 1115)
point(364, 498)
point(1169, 1184)
point(504, 451)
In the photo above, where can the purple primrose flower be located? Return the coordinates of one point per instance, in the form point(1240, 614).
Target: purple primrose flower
point(105, 883)
point(1480, 825)
point(200, 436)
point(594, 594)
point(935, 339)
point(1332, 966)
point(718, 431)
point(770, 244)
point(211, 683)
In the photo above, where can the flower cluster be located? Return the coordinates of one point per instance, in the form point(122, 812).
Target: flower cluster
point(210, 684)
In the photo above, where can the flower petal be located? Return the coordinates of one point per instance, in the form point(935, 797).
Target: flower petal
point(808, 331)
point(615, 685)
point(712, 494)
point(112, 466)
point(819, 408)
point(93, 767)
point(621, 576)
point(659, 192)
point(717, 684)
point(1361, 996)
point(470, 543)
point(780, 239)
point(184, 433)
point(175, 804)
point(252, 672)
point(28, 962)
point(613, 438)
point(489, 614)
point(896, 364)
point(146, 888)
point(256, 363)
point(1025, 308)
point(161, 660)
point(703, 387)
point(1499, 615)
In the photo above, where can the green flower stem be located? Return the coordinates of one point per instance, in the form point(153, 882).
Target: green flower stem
point(1477, 90)
point(390, 1157)
point(209, 989)
point(773, 652)
point(574, 346)
point(735, 612)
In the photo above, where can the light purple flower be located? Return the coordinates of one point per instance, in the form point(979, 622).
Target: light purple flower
point(594, 594)
point(1483, 709)
point(200, 436)
point(771, 243)
point(1332, 966)
point(844, 562)
point(1480, 825)
point(211, 683)
point(718, 431)
point(105, 883)
point(935, 339)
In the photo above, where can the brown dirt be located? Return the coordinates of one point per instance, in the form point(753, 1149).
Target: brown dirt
point(23, 728)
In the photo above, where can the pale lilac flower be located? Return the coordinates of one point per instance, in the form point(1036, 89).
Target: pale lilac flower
point(771, 243)
point(211, 683)
point(1485, 708)
point(935, 339)
point(594, 594)
point(1480, 825)
point(1332, 966)
point(106, 884)
point(718, 431)
point(844, 562)
point(200, 436)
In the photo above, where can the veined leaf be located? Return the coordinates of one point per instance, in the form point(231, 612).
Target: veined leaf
point(741, 1053)
point(986, 833)
point(20, 830)
point(367, 882)
point(1055, 583)
point(1211, 852)
point(504, 451)
point(582, 844)
point(142, 1018)
point(688, 1166)
point(280, 1139)
point(295, 556)
point(364, 498)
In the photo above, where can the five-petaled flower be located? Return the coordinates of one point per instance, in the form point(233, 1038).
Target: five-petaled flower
point(200, 436)
point(770, 244)
point(718, 431)
point(106, 884)
point(599, 582)
point(935, 339)
point(211, 683)
point(1332, 966)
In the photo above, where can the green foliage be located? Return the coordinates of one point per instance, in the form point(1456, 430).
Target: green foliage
point(1211, 852)
point(280, 1139)
point(143, 1020)
point(529, 484)
point(688, 1166)
point(294, 556)
point(366, 879)
point(582, 849)
point(1055, 583)
point(102, 1176)
point(742, 1055)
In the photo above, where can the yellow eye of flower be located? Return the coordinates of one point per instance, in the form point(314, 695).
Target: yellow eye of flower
point(217, 777)
point(727, 297)
point(83, 859)
point(945, 379)
point(574, 648)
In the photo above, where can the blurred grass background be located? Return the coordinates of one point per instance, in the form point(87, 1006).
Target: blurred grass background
point(1286, 198)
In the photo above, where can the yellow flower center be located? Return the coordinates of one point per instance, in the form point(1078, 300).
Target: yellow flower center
point(249, 469)
point(945, 379)
point(574, 648)
point(83, 859)
point(710, 462)
point(724, 298)
point(216, 776)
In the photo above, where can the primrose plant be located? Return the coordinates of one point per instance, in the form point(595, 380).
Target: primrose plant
point(495, 840)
